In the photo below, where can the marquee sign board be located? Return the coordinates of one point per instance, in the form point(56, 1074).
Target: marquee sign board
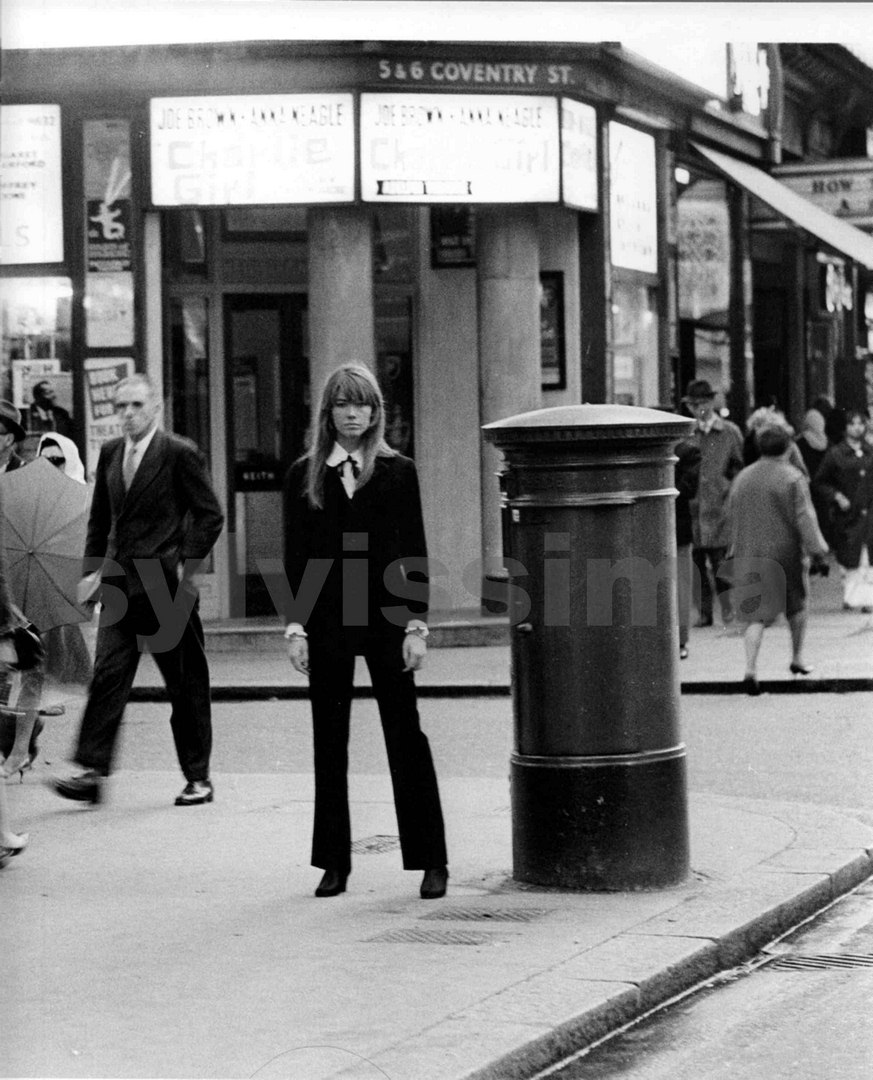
point(459, 148)
point(256, 149)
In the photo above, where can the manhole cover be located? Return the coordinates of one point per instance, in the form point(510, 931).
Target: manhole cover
point(821, 962)
point(433, 937)
point(375, 845)
point(480, 914)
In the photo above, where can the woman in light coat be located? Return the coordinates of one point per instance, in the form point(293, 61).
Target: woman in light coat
point(772, 526)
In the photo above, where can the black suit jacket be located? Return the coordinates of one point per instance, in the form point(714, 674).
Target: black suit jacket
point(170, 513)
point(360, 562)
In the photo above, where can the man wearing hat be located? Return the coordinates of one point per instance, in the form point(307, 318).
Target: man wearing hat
point(721, 458)
point(11, 433)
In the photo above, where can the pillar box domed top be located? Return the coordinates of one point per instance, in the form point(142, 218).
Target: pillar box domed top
point(588, 423)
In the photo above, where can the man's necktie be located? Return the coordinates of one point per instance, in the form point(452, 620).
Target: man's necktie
point(349, 471)
point(128, 467)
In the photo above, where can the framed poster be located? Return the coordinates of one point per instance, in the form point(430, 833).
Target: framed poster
point(552, 344)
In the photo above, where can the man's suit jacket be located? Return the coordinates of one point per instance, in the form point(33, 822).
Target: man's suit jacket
point(379, 536)
point(170, 513)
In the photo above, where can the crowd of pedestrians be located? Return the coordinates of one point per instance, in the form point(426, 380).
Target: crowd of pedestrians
point(763, 508)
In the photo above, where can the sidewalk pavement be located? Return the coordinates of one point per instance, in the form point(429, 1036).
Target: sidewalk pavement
point(145, 940)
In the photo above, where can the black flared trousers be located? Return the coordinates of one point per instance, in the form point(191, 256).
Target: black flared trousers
point(416, 794)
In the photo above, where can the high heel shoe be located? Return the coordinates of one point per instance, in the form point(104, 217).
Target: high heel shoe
point(752, 686)
point(10, 770)
point(800, 669)
point(333, 883)
point(8, 851)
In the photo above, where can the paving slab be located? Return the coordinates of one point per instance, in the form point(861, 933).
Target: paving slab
point(154, 941)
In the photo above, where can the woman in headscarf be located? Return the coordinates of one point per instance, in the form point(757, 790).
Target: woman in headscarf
point(67, 659)
point(812, 442)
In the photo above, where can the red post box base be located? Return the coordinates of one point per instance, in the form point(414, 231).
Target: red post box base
point(600, 824)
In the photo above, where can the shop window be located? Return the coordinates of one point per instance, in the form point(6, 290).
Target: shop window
point(394, 369)
point(703, 253)
point(184, 245)
point(187, 380)
point(35, 345)
point(635, 341)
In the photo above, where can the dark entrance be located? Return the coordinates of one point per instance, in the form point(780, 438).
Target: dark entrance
point(266, 372)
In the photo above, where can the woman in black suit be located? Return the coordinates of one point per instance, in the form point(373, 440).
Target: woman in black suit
point(356, 563)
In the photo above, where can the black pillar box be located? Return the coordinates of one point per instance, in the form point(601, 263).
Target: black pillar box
point(598, 770)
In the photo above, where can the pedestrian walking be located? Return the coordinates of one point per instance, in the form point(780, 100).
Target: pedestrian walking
point(11, 843)
point(66, 660)
point(771, 527)
point(355, 549)
point(154, 518)
point(687, 478)
point(845, 482)
point(765, 417)
point(721, 458)
point(812, 442)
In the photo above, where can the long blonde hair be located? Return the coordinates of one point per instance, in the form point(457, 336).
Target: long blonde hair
point(353, 382)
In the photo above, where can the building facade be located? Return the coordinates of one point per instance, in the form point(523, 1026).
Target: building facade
point(492, 228)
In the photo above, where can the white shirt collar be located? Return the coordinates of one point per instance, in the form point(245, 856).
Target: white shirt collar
point(141, 446)
point(337, 456)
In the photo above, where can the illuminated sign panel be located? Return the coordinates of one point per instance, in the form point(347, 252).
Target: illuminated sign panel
point(633, 202)
point(248, 150)
point(31, 220)
point(464, 148)
point(579, 154)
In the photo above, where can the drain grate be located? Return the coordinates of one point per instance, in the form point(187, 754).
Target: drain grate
point(821, 962)
point(375, 845)
point(434, 937)
point(480, 914)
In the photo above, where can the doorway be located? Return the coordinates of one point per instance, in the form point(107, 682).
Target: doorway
point(267, 390)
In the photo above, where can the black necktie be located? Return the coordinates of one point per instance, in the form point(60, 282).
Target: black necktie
point(356, 468)
point(348, 482)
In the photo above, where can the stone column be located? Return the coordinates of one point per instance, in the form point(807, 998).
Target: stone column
point(341, 325)
point(508, 282)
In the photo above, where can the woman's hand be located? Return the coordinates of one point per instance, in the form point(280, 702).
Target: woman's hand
point(414, 651)
point(298, 654)
point(8, 655)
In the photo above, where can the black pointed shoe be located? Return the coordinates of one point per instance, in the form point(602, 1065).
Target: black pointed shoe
point(434, 883)
point(333, 882)
point(86, 786)
point(194, 793)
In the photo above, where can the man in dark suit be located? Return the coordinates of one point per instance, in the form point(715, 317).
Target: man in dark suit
point(11, 434)
point(154, 518)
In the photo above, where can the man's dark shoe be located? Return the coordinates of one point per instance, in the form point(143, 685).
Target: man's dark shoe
point(704, 620)
point(85, 786)
point(195, 792)
point(333, 883)
point(434, 883)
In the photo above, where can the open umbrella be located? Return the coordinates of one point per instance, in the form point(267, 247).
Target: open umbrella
point(46, 515)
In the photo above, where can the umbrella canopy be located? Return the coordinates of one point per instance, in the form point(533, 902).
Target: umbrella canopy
point(46, 516)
